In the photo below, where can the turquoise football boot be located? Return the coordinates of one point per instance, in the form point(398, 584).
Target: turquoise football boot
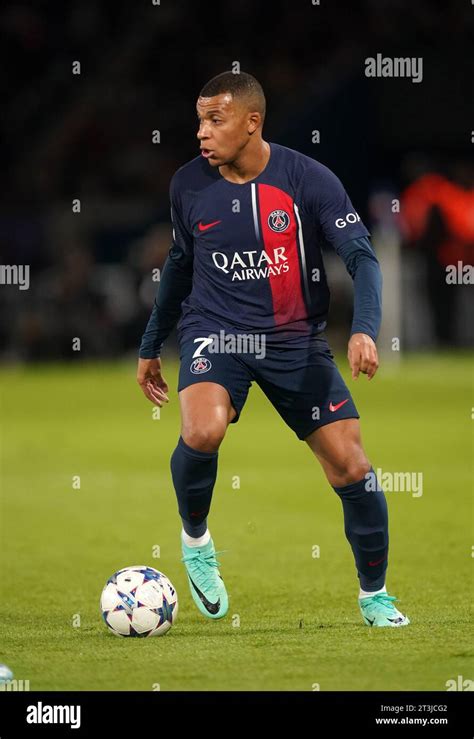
point(206, 584)
point(378, 610)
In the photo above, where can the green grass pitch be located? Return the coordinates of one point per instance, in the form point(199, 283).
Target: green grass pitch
point(293, 620)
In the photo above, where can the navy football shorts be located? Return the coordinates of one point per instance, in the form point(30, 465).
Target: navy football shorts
point(303, 383)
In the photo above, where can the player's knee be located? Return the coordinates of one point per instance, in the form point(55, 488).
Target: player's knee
point(349, 469)
point(203, 437)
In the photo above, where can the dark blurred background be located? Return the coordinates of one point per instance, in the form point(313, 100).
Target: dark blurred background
point(89, 136)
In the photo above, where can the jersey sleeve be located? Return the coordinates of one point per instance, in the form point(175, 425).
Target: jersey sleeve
point(175, 283)
point(182, 249)
point(362, 264)
point(332, 212)
point(326, 200)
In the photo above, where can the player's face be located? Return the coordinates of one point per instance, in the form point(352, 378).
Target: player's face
point(223, 128)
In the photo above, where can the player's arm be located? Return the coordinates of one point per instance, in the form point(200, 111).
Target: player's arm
point(341, 227)
point(363, 266)
point(175, 285)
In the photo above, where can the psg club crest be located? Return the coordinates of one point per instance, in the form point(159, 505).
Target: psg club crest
point(278, 220)
point(200, 365)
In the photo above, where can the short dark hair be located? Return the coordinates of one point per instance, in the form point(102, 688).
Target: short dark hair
point(241, 85)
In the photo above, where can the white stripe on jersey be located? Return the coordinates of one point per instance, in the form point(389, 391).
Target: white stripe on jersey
point(303, 255)
point(254, 209)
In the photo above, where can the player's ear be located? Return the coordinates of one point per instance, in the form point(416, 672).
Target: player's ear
point(254, 121)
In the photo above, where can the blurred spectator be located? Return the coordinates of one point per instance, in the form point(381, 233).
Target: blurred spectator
point(437, 217)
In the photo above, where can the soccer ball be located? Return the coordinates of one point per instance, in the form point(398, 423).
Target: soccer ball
point(139, 601)
point(5, 674)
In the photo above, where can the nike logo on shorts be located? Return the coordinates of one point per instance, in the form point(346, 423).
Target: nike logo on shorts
point(336, 407)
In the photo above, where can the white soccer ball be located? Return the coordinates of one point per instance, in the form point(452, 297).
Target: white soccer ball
point(139, 601)
point(5, 674)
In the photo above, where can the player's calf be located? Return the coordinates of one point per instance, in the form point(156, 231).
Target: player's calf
point(339, 449)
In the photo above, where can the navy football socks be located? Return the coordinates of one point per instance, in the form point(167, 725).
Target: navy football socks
point(194, 475)
point(366, 529)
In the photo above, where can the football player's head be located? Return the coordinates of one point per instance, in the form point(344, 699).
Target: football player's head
point(231, 110)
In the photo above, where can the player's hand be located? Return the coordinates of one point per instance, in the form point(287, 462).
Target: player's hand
point(362, 356)
point(151, 381)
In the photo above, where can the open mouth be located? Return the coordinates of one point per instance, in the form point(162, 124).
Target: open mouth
point(207, 153)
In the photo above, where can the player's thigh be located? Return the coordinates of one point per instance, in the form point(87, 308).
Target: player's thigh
point(213, 388)
point(305, 386)
point(338, 447)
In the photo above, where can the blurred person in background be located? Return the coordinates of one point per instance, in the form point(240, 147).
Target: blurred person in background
point(437, 219)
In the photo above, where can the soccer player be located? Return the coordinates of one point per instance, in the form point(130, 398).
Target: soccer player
point(249, 217)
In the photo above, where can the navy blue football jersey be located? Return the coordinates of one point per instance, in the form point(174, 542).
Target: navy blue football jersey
point(255, 248)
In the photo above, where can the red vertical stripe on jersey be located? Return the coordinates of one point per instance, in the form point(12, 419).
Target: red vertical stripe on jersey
point(287, 296)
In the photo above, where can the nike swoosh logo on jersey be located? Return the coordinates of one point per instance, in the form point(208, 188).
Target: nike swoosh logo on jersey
point(336, 407)
point(204, 226)
point(211, 607)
